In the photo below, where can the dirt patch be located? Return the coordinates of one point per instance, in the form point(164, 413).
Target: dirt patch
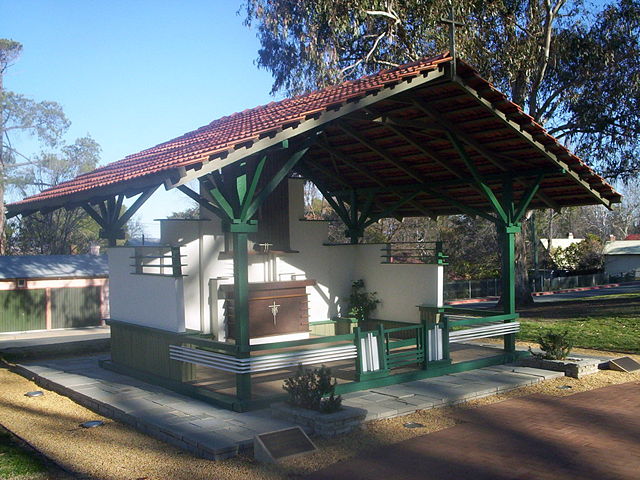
point(117, 451)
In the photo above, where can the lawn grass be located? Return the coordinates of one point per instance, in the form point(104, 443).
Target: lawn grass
point(600, 323)
point(17, 463)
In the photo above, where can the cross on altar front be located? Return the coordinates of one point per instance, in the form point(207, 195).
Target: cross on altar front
point(274, 311)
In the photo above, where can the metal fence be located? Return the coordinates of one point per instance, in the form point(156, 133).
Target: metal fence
point(489, 287)
point(576, 281)
point(459, 289)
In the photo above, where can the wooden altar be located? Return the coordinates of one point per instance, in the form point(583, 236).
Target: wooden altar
point(275, 308)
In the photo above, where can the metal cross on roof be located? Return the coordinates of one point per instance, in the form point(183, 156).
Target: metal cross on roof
point(451, 21)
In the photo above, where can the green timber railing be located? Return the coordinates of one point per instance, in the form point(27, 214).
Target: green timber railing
point(382, 352)
point(413, 252)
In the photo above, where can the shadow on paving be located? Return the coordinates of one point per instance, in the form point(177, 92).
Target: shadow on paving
point(589, 435)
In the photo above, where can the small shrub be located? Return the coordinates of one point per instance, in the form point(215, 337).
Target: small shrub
point(554, 345)
point(313, 389)
point(361, 302)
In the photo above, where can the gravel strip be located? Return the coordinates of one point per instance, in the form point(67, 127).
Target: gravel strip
point(116, 451)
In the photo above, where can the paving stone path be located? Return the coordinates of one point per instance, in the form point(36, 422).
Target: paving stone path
point(216, 433)
point(592, 435)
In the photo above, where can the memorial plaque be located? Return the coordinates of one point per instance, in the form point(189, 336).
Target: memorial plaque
point(624, 364)
point(413, 425)
point(272, 447)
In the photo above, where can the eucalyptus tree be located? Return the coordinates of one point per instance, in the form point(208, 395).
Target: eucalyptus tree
point(573, 68)
point(61, 231)
point(21, 115)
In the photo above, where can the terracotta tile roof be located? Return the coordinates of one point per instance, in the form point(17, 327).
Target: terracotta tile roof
point(226, 133)
point(633, 236)
point(499, 125)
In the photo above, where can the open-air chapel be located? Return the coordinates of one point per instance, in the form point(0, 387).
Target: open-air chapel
point(231, 303)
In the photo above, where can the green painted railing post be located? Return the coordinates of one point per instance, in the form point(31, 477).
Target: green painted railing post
point(357, 335)
point(424, 337)
point(444, 322)
point(239, 233)
point(441, 258)
point(382, 348)
point(176, 264)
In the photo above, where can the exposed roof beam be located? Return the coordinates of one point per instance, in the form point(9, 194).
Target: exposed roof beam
point(416, 143)
point(380, 152)
point(425, 127)
point(202, 201)
point(337, 204)
point(461, 182)
point(489, 155)
point(386, 156)
point(76, 200)
point(486, 153)
point(532, 141)
point(343, 158)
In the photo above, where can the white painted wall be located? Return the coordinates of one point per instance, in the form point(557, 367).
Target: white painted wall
point(151, 301)
point(400, 287)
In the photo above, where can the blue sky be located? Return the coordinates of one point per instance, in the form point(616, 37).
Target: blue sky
point(135, 73)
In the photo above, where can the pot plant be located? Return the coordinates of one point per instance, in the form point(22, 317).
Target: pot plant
point(361, 302)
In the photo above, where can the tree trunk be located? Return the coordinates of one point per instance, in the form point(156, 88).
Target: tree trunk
point(3, 236)
point(3, 246)
point(523, 289)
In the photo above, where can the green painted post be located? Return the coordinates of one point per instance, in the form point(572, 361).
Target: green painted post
point(239, 233)
point(508, 279)
point(356, 339)
point(534, 248)
point(176, 264)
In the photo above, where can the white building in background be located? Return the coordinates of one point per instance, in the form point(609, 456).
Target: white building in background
point(560, 242)
point(622, 256)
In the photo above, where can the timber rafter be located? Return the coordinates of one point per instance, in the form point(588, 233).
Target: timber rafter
point(109, 215)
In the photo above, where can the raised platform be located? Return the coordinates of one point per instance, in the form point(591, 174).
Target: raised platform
point(217, 433)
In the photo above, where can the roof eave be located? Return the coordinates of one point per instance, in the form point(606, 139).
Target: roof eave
point(575, 176)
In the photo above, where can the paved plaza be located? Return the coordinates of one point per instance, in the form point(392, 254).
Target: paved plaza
point(216, 433)
point(593, 435)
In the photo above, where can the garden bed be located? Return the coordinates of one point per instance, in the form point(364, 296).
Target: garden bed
point(572, 367)
point(321, 424)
